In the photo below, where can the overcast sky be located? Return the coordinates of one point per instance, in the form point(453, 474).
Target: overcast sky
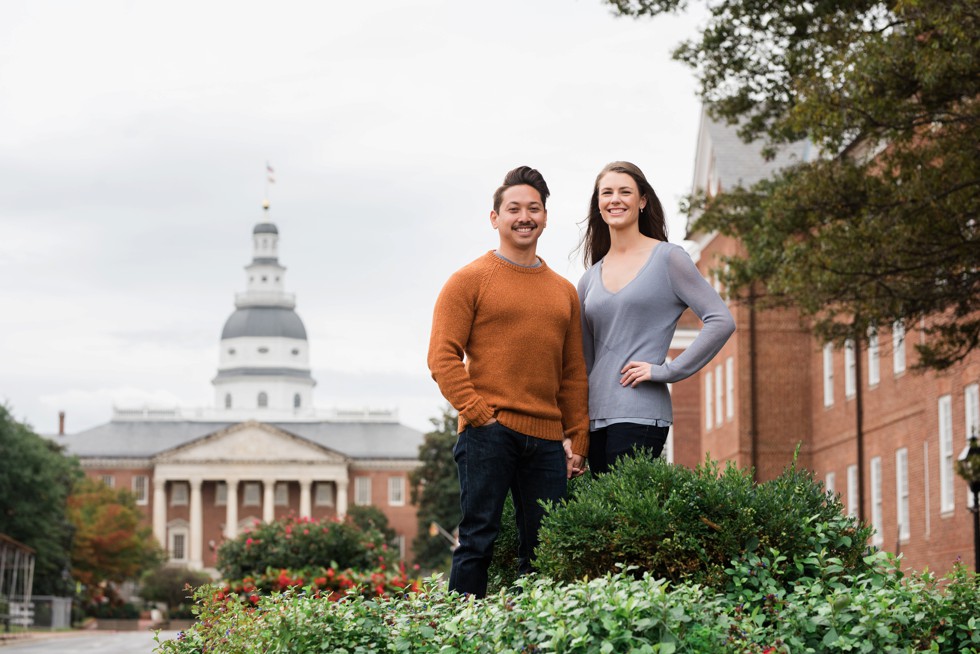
point(133, 143)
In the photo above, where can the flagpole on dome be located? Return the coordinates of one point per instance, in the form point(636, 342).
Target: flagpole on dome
point(270, 178)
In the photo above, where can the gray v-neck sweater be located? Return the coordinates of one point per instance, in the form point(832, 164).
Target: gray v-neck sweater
point(637, 324)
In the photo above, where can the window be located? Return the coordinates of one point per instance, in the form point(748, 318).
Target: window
point(282, 493)
point(297, 401)
point(140, 490)
point(323, 495)
point(251, 494)
point(874, 360)
point(708, 416)
point(876, 538)
point(178, 543)
point(295, 352)
point(902, 493)
point(396, 491)
point(231, 350)
point(263, 350)
point(852, 490)
point(850, 372)
point(227, 400)
point(830, 483)
point(263, 400)
point(828, 374)
point(719, 390)
point(178, 493)
point(971, 402)
point(362, 491)
point(221, 494)
point(898, 347)
point(109, 480)
point(729, 388)
point(946, 501)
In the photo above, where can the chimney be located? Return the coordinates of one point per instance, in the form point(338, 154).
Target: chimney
point(61, 423)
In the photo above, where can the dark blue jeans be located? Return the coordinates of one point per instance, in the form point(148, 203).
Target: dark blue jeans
point(493, 460)
point(608, 444)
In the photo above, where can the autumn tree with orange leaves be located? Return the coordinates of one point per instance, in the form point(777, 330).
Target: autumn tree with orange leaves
point(111, 543)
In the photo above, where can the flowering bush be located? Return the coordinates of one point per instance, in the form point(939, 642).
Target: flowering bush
point(298, 543)
point(326, 582)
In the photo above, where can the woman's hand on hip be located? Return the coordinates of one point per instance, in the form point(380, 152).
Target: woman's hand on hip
point(635, 372)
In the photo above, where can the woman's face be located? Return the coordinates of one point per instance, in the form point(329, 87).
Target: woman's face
point(620, 201)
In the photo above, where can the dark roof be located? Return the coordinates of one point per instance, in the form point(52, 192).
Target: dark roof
point(264, 321)
point(265, 228)
point(139, 439)
point(264, 372)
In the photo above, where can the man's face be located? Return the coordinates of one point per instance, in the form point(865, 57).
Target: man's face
point(521, 219)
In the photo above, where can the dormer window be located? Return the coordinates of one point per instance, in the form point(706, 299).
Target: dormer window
point(263, 350)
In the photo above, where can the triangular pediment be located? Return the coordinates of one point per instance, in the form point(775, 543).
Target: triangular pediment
point(251, 442)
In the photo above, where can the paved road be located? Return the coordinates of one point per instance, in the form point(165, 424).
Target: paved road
point(92, 642)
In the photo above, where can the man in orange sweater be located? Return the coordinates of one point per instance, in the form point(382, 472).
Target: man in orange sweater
point(506, 351)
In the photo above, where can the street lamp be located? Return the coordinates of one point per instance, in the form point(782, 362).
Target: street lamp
point(968, 467)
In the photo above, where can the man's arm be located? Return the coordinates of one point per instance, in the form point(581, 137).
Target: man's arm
point(452, 321)
point(573, 393)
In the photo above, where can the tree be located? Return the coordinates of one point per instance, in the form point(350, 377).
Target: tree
point(35, 479)
point(112, 543)
point(435, 491)
point(882, 226)
point(370, 517)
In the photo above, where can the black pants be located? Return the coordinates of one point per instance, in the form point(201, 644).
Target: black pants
point(608, 444)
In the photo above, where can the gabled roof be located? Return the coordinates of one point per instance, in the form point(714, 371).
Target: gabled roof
point(251, 441)
point(145, 439)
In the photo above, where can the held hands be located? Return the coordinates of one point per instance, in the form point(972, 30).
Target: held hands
point(574, 463)
point(635, 372)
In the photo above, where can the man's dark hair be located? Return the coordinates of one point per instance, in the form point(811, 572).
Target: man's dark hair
point(522, 175)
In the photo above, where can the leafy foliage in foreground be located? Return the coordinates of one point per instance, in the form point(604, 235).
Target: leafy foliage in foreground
point(875, 610)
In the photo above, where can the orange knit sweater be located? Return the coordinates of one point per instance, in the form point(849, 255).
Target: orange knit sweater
point(520, 333)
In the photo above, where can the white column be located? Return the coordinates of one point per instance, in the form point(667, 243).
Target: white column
point(268, 500)
point(304, 498)
point(341, 497)
point(197, 526)
point(160, 511)
point(231, 509)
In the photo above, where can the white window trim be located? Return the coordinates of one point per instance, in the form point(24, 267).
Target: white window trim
point(947, 501)
point(876, 513)
point(108, 480)
point(730, 388)
point(874, 358)
point(396, 491)
point(971, 411)
point(828, 374)
point(323, 497)
point(852, 490)
point(178, 528)
point(280, 494)
point(221, 493)
point(902, 515)
point(256, 499)
point(719, 395)
point(850, 371)
point(898, 347)
point(362, 491)
point(830, 483)
point(708, 388)
point(141, 493)
point(181, 498)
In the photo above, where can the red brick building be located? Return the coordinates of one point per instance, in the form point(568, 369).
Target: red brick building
point(774, 386)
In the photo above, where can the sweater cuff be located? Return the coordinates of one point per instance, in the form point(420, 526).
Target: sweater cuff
point(477, 414)
point(580, 444)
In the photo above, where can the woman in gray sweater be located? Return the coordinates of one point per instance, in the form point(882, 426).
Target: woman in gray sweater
point(635, 288)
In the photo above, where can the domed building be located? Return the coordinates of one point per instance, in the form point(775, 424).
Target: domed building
point(263, 451)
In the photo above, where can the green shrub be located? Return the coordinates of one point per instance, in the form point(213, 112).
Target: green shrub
point(169, 584)
point(295, 543)
point(684, 524)
point(878, 609)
